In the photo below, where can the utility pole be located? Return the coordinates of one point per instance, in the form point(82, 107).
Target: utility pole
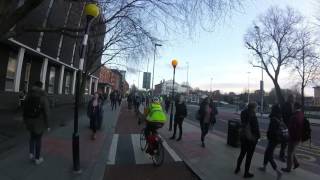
point(248, 87)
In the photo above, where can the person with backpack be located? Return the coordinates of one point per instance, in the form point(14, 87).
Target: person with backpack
point(180, 114)
point(36, 119)
point(287, 112)
point(296, 129)
point(95, 114)
point(277, 133)
point(250, 135)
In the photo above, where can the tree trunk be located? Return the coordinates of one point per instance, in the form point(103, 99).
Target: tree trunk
point(279, 94)
point(302, 97)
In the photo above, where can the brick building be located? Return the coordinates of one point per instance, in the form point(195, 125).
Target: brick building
point(112, 79)
point(52, 58)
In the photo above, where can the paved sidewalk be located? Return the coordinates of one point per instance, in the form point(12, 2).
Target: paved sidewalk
point(57, 152)
point(217, 160)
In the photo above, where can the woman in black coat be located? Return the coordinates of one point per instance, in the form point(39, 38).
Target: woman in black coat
point(180, 114)
point(95, 114)
point(206, 114)
point(249, 138)
point(274, 136)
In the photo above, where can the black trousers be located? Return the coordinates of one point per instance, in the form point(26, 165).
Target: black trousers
point(268, 155)
point(204, 130)
point(35, 144)
point(113, 104)
point(177, 122)
point(247, 149)
point(283, 148)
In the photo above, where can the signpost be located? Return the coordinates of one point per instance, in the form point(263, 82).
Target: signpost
point(146, 80)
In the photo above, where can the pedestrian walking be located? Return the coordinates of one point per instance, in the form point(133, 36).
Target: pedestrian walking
point(119, 98)
point(137, 101)
point(277, 132)
point(95, 114)
point(287, 112)
point(113, 99)
point(180, 114)
point(206, 116)
point(295, 128)
point(214, 113)
point(36, 118)
point(130, 100)
point(249, 137)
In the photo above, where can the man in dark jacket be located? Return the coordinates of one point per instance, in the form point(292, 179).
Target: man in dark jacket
point(36, 114)
point(180, 114)
point(249, 138)
point(287, 112)
point(295, 136)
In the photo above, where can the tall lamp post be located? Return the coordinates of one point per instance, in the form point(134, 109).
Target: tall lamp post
point(174, 64)
point(154, 62)
point(261, 82)
point(92, 11)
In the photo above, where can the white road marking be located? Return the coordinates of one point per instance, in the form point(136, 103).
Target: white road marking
point(113, 150)
point(172, 153)
point(141, 157)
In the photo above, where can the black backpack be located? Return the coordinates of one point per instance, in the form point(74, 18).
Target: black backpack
point(32, 107)
point(306, 133)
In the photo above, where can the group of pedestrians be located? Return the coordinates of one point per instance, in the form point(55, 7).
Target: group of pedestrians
point(285, 128)
point(206, 116)
point(36, 116)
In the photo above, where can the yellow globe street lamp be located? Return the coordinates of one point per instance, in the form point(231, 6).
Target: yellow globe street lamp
point(174, 64)
point(91, 11)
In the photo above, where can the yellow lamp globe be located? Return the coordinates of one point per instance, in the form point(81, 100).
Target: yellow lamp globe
point(91, 9)
point(174, 63)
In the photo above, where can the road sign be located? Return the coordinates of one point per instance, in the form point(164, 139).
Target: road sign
point(146, 80)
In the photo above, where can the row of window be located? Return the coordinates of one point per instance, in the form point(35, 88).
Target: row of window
point(12, 70)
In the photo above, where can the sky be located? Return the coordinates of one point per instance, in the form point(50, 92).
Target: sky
point(221, 54)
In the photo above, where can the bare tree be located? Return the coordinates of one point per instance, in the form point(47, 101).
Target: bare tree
point(306, 63)
point(274, 45)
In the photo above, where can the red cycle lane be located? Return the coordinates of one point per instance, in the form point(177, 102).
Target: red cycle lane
point(127, 161)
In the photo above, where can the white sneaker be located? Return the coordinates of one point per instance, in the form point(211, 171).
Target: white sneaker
point(38, 161)
point(31, 156)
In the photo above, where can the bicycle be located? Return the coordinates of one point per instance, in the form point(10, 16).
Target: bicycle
point(157, 149)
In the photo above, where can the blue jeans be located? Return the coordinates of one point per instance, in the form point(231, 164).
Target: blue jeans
point(35, 144)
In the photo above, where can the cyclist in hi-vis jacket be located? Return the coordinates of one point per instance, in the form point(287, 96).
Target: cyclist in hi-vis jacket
point(155, 116)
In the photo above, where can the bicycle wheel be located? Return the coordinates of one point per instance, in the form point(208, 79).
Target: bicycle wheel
point(158, 157)
point(143, 141)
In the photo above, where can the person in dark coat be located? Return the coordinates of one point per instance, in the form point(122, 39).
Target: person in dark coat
point(95, 113)
point(274, 138)
point(113, 99)
point(295, 136)
point(36, 123)
point(287, 112)
point(206, 117)
point(180, 114)
point(249, 138)
point(119, 98)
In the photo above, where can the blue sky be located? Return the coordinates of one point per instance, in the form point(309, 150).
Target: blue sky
point(221, 54)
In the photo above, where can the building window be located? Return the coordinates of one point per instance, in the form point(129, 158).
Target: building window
point(11, 72)
point(52, 77)
point(27, 76)
point(67, 89)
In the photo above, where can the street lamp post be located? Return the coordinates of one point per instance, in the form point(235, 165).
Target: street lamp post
point(261, 82)
point(154, 62)
point(91, 10)
point(174, 64)
point(211, 85)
